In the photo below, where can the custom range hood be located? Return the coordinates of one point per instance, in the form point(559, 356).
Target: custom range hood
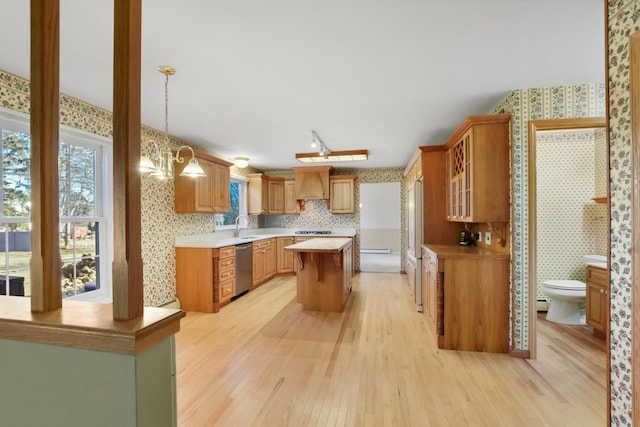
point(312, 182)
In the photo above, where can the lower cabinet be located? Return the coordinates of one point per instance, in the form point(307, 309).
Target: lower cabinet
point(284, 259)
point(205, 277)
point(466, 297)
point(433, 294)
point(264, 261)
point(347, 271)
point(597, 302)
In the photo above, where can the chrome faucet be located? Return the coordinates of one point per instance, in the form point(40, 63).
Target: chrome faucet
point(236, 232)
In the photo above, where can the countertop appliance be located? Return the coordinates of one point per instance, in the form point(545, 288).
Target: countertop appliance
point(415, 235)
point(244, 268)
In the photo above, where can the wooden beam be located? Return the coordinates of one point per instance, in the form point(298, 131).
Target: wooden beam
point(45, 262)
point(127, 259)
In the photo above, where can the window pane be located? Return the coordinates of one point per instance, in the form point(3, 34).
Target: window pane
point(80, 256)
point(15, 253)
point(16, 180)
point(77, 181)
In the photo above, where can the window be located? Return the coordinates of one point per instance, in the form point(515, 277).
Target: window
point(238, 194)
point(85, 193)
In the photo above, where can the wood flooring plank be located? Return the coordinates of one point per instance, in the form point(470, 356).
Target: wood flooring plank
point(263, 361)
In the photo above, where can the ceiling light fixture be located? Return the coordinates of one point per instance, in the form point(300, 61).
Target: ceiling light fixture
point(162, 169)
point(316, 141)
point(241, 162)
point(333, 156)
point(324, 155)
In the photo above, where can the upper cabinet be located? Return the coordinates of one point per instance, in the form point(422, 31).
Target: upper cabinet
point(312, 182)
point(428, 166)
point(477, 170)
point(291, 204)
point(342, 194)
point(276, 195)
point(266, 194)
point(208, 194)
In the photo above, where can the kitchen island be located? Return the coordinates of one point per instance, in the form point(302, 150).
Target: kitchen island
point(324, 269)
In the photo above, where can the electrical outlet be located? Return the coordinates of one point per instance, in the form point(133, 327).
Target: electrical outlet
point(478, 236)
point(487, 238)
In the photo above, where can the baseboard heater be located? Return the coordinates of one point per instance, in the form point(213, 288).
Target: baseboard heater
point(375, 251)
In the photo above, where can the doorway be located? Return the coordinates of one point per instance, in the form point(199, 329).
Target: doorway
point(536, 126)
point(380, 227)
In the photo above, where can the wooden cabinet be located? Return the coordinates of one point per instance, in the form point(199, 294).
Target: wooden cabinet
point(221, 193)
point(467, 297)
point(205, 277)
point(342, 194)
point(284, 259)
point(208, 194)
point(276, 196)
point(324, 273)
point(597, 302)
point(347, 272)
point(477, 170)
point(432, 294)
point(264, 261)
point(265, 194)
point(428, 166)
point(312, 182)
point(292, 206)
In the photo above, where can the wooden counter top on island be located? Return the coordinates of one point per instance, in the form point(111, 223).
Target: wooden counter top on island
point(324, 268)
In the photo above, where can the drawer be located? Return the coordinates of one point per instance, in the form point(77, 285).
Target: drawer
point(597, 275)
point(226, 289)
point(227, 251)
point(226, 262)
point(226, 273)
point(262, 244)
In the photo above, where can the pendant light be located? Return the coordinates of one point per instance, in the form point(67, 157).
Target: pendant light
point(162, 169)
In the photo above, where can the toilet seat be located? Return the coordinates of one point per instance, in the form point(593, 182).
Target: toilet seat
point(570, 285)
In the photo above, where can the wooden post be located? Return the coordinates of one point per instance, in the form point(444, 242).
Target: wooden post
point(45, 245)
point(127, 259)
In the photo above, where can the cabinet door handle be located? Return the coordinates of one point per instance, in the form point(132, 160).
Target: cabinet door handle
point(602, 291)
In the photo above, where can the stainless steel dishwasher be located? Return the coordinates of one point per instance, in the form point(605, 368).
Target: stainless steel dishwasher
point(244, 268)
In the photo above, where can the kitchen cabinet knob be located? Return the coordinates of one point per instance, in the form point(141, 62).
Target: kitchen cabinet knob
point(602, 291)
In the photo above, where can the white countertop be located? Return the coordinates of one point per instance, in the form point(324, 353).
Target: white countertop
point(602, 265)
point(319, 244)
point(225, 238)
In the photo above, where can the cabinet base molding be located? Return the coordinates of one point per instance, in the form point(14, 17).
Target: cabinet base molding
point(520, 354)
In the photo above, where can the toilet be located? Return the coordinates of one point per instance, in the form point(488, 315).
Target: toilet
point(566, 301)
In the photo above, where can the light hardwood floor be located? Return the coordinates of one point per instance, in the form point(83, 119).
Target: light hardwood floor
point(262, 361)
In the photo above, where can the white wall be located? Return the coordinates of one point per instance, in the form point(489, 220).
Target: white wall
point(380, 216)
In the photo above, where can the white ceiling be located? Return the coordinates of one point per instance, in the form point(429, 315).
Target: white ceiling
point(254, 77)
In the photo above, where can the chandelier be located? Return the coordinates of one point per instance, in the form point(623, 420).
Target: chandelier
point(162, 168)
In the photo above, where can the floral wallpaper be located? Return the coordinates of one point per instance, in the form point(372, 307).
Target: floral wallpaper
point(623, 20)
point(524, 105)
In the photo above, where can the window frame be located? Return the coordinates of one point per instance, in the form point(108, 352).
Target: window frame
point(20, 122)
point(242, 197)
